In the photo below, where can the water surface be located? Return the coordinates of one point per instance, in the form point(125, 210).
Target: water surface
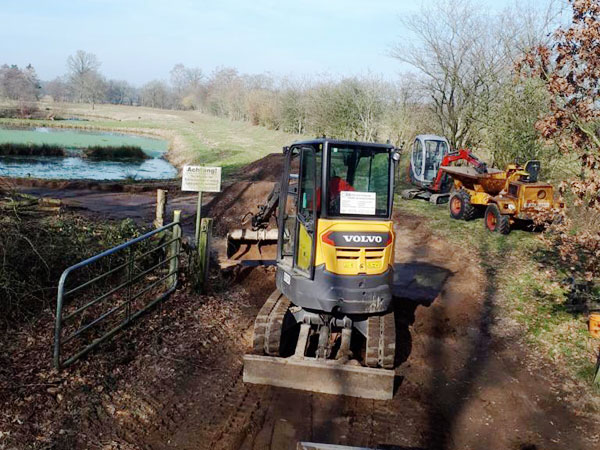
point(74, 167)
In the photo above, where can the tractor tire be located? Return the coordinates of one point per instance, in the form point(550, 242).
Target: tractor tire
point(461, 207)
point(494, 221)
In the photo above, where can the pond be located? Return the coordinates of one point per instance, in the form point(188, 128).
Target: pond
point(75, 167)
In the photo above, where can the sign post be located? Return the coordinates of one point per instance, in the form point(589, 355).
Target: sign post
point(200, 179)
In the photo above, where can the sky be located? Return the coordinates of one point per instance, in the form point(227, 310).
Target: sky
point(139, 41)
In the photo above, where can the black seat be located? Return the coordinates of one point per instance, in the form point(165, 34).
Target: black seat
point(533, 169)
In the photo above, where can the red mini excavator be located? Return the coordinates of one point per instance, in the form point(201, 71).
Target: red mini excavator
point(430, 153)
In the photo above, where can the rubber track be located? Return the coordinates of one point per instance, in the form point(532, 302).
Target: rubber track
point(261, 322)
point(387, 343)
point(373, 338)
point(275, 325)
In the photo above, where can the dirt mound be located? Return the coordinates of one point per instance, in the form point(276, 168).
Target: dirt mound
point(268, 168)
point(251, 188)
point(237, 199)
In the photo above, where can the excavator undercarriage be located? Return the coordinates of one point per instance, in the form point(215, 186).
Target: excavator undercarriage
point(321, 354)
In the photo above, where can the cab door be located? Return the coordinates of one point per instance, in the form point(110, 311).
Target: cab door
point(297, 217)
point(418, 163)
point(306, 218)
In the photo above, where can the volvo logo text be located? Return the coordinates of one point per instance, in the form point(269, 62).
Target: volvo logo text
point(357, 239)
point(363, 239)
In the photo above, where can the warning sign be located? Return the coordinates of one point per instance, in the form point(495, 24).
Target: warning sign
point(360, 203)
point(201, 179)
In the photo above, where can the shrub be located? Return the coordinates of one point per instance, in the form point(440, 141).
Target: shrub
point(11, 149)
point(111, 153)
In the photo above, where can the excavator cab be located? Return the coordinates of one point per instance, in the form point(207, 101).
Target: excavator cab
point(335, 255)
point(427, 154)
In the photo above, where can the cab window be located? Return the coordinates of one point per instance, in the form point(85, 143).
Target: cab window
point(358, 181)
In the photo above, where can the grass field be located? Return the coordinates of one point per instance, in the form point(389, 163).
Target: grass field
point(194, 138)
point(529, 289)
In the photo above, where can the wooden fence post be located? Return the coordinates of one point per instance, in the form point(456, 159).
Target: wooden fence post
point(161, 205)
point(174, 248)
point(204, 252)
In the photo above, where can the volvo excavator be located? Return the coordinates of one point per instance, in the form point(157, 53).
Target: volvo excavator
point(329, 326)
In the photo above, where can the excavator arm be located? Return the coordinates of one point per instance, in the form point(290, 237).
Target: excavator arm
point(461, 155)
point(258, 243)
point(261, 219)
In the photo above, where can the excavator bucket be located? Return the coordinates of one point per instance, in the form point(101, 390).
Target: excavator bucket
point(256, 245)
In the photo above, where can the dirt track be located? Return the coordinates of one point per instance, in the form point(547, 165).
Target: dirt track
point(462, 385)
point(467, 381)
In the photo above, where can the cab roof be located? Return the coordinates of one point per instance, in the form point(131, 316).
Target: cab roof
point(342, 142)
point(431, 137)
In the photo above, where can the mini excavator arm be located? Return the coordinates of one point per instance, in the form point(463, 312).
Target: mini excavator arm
point(259, 243)
point(461, 155)
point(261, 219)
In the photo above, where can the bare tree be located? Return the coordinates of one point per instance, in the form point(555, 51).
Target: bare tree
point(526, 25)
point(407, 114)
point(156, 94)
point(461, 61)
point(465, 56)
point(19, 84)
point(82, 63)
point(187, 85)
point(58, 89)
point(86, 81)
point(120, 92)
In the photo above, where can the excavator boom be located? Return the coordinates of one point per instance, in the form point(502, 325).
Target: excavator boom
point(257, 243)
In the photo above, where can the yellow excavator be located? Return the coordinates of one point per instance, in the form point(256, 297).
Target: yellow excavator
point(329, 326)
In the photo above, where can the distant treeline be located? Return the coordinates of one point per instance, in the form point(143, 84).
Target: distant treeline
point(463, 86)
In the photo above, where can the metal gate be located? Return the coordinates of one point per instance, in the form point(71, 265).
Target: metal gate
point(98, 297)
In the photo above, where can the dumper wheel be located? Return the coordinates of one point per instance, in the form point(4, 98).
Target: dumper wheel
point(460, 206)
point(495, 221)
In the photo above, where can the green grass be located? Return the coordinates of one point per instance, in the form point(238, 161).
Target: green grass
point(193, 137)
point(528, 287)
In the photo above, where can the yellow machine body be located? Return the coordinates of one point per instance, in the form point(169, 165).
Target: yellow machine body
point(516, 198)
point(342, 260)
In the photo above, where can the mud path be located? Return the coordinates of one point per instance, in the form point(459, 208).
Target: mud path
point(464, 383)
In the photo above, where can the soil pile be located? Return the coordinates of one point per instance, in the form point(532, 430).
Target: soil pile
point(250, 189)
point(268, 168)
point(236, 200)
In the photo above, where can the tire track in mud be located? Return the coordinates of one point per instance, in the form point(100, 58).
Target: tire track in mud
point(238, 412)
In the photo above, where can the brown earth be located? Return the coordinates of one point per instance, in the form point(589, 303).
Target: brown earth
point(468, 380)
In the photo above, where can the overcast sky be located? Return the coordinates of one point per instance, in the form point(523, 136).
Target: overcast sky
point(141, 40)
